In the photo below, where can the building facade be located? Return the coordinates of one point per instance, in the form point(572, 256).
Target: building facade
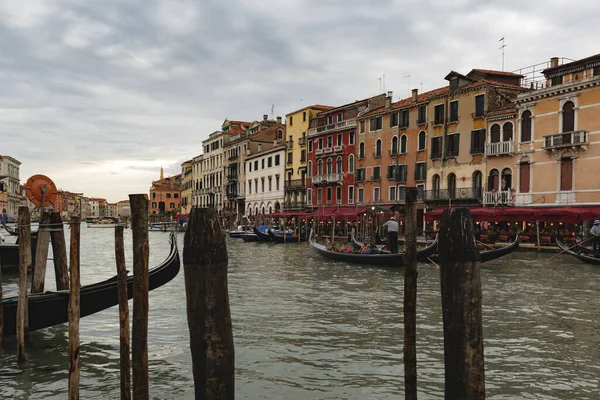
point(212, 173)
point(186, 187)
point(164, 195)
point(10, 186)
point(265, 177)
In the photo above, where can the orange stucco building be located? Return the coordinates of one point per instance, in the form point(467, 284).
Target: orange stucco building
point(165, 195)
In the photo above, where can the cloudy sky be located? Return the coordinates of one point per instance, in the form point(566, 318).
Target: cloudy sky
point(98, 95)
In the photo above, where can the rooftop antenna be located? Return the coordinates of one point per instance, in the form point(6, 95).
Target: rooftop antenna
point(379, 84)
point(502, 48)
point(383, 83)
point(407, 76)
point(272, 110)
point(300, 103)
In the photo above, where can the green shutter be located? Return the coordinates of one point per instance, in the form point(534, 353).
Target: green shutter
point(457, 144)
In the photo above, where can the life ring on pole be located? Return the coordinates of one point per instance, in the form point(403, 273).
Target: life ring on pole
point(40, 188)
point(463, 193)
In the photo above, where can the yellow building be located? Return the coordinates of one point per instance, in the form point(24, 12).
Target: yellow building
point(297, 125)
point(186, 187)
point(558, 136)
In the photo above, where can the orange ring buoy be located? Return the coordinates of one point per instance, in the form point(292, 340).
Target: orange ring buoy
point(35, 190)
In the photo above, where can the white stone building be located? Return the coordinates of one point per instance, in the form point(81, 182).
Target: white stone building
point(197, 180)
point(211, 173)
point(265, 173)
point(10, 183)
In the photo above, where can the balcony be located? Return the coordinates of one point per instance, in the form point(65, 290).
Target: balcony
point(500, 148)
point(294, 206)
point(393, 152)
point(302, 141)
point(338, 149)
point(375, 178)
point(302, 159)
point(289, 144)
point(327, 178)
point(497, 197)
point(458, 194)
point(295, 184)
point(233, 156)
point(232, 177)
point(350, 123)
point(232, 195)
point(318, 152)
point(566, 139)
point(377, 155)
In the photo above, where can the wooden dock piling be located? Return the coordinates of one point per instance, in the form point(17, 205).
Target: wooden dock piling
point(139, 355)
point(209, 319)
point(461, 306)
point(123, 314)
point(24, 229)
point(410, 295)
point(59, 252)
point(1, 308)
point(74, 314)
point(41, 254)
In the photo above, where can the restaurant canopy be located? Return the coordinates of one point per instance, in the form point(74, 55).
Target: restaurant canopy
point(526, 214)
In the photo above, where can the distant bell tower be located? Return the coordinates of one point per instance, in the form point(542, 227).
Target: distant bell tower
point(162, 174)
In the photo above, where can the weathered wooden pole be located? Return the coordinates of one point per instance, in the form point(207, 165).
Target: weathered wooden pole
point(59, 252)
point(41, 254)
point(24, 229)
point(123, 314)
point(209, 319)
point(75, 286)
point(461, 306)
point(139, 336)
point(1, 307)
point(410, 294)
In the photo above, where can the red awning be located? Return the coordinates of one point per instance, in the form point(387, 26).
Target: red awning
point(324, 212)
point(528, 214)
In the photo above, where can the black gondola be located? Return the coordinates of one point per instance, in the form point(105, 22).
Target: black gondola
point(13, 231)
point(489, 255)
point(51, 308)
point(9, 254)
point(249, 237)
point(262, 237)
point(382, 259)
point(277, 237)
point(583, 253)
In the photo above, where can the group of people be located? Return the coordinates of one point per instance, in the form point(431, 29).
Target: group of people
point(595, 232)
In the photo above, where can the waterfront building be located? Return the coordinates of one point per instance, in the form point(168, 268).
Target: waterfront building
point(10, 186)
point(331, 154)
point(265, 171)
point(211, 172)
point(296, 140)
point(111, 210)
point(197, 181)
point(186, 187)
point(558, 131)
point(123, 209)
point(68, 204)
point(165, 195)
point(93, 208)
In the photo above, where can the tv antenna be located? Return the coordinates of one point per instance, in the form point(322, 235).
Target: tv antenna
point(272, 110)
point(502, 48)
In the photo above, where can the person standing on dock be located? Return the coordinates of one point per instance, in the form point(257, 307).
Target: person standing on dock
point(595, 231)
point(392, 228)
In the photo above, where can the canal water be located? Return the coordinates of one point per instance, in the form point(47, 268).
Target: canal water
point(305, 328)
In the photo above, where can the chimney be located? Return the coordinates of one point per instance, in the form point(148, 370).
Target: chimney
point(265, 117)
point(259, 147)
point(279, 120)
point(554, 62)
point(415, 95)
point(388, 100)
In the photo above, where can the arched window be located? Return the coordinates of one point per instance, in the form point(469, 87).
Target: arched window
point(329, 165)
point(320, 167)
point(566, 171)
point(310, 168)
point(506, 182)
point(524, 175)
point(395, 145)
point(403, 144)
point(452, 186)
point(494, 180)
point(422, 140)
point(477, 183)
point(277, 207)
point(568, 117)
point(351, 163)
point(361, 150)
point(436, 186)
point(495, 133)
point(526, 126)
point(507, 132)
point(378, 148)
point(338, 167)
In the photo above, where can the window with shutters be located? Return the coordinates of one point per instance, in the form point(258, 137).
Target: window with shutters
point(339, 139)
point(360, 174)
point(526, 126)
point(454, 111)
point(401, 173)
point(506, 182)
point(338, 195)
point(524, 173)
point(477, 183)
point(420, 171)
point(329, 166)
point(310, 144)
point(320, 167)
point(309, 196)
point(495, 133)
point(310, 170)
point(361, 195)
point(361, 151)
point(404, 118)
point(507, 132)
point(566, 174)
point(493, 180)
point(568, 117)
point(351, 163)
point(401, 193)
point(451, 186)
point(329, 194)
point(478, 141)
point(394, 146)
point(351, 137)
point(422, 114)
point(479, 106)
point(376, 123)
point(376, 173)
point(422, 141)
point(452, 145)
point(319, 196)
point(377, 148)
point(438, 114)
point(436, 148)
point(394, 119)
point(392, 193)
point(557, 80)
point(403, 144)
point(376, 197)
point(350, 194)
point(338, 166)
point(435, 186)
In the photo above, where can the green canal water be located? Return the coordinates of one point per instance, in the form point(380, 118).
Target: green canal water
point(305, 328)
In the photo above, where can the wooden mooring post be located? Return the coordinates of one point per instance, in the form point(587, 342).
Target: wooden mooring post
point(139, 335)
point(75, 286)
point(24, 229)
point(461, 306)
point(59, 252)
point(410, 295)
point(41, 254)
point(123, 314)
point(1, 307)
point(209, 319)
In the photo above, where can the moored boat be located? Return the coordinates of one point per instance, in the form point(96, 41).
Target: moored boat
point(51, 308)
point(287, 237)
point(249, 237)
point(263, 236)
point(580, 252)
point(489, 255)
point(241, 230)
